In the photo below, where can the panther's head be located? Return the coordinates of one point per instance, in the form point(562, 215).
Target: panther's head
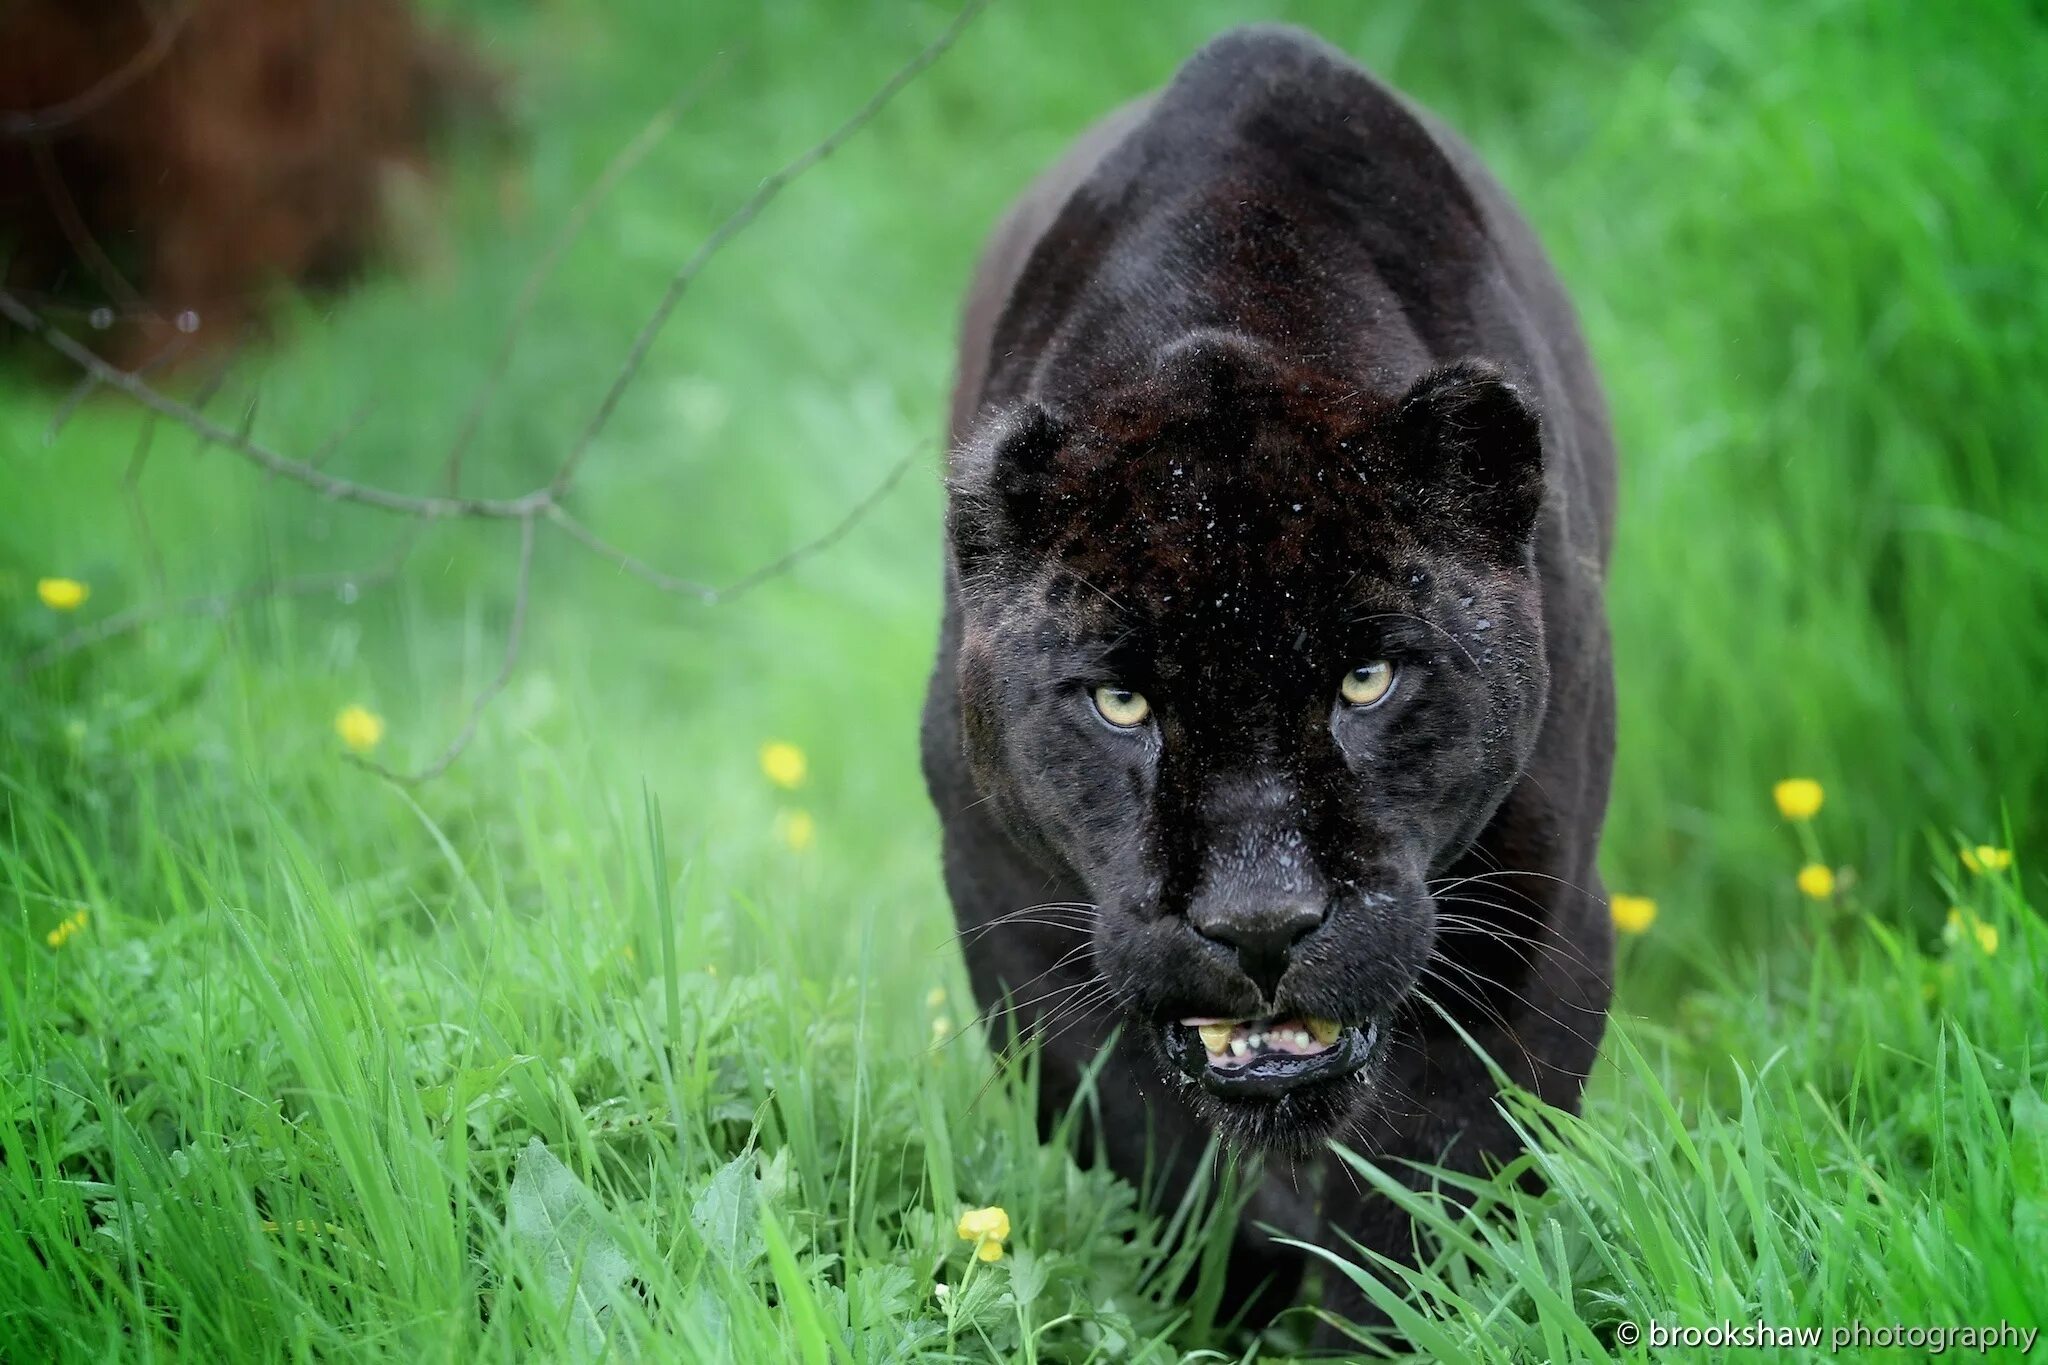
point(1250, 654)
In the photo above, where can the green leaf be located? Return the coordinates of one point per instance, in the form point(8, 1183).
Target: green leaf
point(556, 1218)
point(2030, 1175)
point(727, 1214)
point(1027, 1276)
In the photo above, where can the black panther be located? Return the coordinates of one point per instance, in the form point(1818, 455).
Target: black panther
point(1273, 717)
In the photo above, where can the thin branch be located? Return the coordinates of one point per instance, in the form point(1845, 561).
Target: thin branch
point(628, 561)
point(262, 456)
point(791, 558)
point(38, 123)
point(528, 508)
point(762, 196)
point(707, 593)
point(339, 436)
point(82, 390)
point(515, 638)
point(617, 169)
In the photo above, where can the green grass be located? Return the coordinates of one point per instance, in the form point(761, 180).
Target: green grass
point(276, 1098)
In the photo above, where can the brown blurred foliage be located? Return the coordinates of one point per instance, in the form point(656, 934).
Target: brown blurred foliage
point(164, 167)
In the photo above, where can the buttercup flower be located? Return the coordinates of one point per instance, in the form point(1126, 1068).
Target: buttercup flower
point(1632, 914)
point(359, 727)
point(1817, 880)
point(796, 828)
point(1985, 858)
point(1962, 924)
point(935, 997)
point(65, 932)
point(62, 594)
point(783, 764)
point(1798, 798)
point(942, 1028)
point(988, 1229)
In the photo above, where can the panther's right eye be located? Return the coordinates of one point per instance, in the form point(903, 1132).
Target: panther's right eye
point(1368, 684)
point(1121, 707)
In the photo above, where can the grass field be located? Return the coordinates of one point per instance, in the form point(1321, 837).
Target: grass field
point(274, 1092)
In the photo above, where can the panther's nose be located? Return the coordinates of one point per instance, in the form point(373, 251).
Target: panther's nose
point(1263, 934)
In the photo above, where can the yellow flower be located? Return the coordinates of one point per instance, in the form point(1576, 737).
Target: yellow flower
point(1632, 914)
point(796, 828)
point(935, 997)
point(1961, 923)
point(1985, 858)
point(66, 931)
point(62, 594)
point(1817, 880)
point(942, 1028)
point(783, 763)
point(988, 1229)
point(359, 727)
point(1798, 798)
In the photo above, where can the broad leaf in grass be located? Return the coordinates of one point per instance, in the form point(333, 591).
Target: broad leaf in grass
point(555, 1219)
point(2030, 1175)
point(727, 1215)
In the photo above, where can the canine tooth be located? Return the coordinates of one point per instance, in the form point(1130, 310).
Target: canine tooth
point(1215, 1037)
point(1325, 1030)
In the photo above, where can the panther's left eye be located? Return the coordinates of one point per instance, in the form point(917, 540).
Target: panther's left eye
point(1368, 684)
point(1121, 707)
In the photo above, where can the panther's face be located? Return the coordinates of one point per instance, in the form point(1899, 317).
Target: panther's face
point(1251, 656)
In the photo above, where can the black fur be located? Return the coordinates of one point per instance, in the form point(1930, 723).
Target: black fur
point(1268, 379)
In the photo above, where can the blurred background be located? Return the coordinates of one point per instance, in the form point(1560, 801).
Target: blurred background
point(1806, 240)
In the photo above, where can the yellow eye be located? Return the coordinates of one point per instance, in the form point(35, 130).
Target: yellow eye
point(1368, 684)
point(1121, 707)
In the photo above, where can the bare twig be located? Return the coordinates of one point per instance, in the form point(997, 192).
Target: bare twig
point(515, 638)
point(38, 123)
point(528, 509)
point(82, 390)
point(712, 595)
point(262, 456)
point(339, 436)
point(789, 559)
point(762, 196)
point(617, 169)
point(631, 563)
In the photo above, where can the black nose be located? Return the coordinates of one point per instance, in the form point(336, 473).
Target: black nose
point(1263, 934)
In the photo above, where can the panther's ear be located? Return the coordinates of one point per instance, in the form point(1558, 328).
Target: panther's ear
point(1001, 482)
point(1473, 452)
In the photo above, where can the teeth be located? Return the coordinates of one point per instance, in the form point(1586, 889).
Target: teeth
point(1237, 1047)
point(1325, 1030)
point(1216, 1037)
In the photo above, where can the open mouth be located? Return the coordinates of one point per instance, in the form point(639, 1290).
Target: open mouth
point(1264, 1058)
